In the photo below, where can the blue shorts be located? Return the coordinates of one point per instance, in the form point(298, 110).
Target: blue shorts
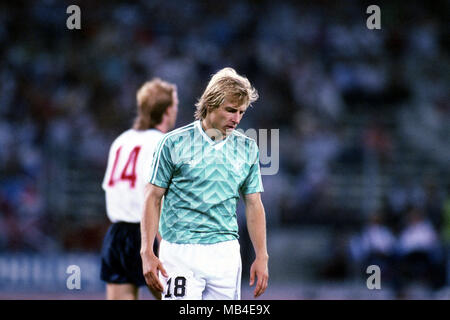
point(120, 258)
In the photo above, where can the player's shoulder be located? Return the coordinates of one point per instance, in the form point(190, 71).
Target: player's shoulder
point(127, 135)
point(152, 134)
point(121, 137)
point(238, 135)
point(141, 137)
point(247, 143)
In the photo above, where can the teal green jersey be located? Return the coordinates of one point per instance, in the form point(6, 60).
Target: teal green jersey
point(204, 180)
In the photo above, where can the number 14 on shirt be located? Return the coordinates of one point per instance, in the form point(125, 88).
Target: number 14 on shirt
point(129, 170)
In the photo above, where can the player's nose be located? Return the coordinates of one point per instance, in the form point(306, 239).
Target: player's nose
point(236, 118)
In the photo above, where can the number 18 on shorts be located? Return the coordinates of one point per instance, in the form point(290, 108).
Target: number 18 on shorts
point(177, 289)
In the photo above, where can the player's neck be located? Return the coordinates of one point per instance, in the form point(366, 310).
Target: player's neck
point(212, 134)
point(205, 125)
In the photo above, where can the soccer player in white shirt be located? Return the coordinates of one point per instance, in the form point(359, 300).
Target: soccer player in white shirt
point(124, 183)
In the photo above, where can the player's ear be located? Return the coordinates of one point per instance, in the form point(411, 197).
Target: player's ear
point(210, 109)
point(169, 110)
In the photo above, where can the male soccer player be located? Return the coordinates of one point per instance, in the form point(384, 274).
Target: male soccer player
point(124, 183)
point(200, 169)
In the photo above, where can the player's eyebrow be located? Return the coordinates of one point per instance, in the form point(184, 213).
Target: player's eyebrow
point(234, 109)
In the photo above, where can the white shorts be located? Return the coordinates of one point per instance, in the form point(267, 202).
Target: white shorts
point(201, 271)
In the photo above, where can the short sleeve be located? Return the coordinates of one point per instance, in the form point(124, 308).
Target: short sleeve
point(253, 182)
point(162, 165)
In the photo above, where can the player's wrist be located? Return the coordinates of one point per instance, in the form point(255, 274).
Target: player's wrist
point(262, 256)
point(145, 251)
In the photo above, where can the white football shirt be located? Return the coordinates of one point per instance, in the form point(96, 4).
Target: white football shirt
point(127, 173)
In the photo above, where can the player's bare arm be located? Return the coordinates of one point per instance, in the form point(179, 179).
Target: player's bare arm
point(256, 224)
point(149, 228)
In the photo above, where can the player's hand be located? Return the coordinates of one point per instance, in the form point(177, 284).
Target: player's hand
point(260, 271)
point(151, 266)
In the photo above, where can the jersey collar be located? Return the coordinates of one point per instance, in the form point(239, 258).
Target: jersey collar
point(216, 145)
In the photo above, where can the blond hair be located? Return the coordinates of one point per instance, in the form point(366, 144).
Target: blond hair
point(153, 99)
point(225, 84)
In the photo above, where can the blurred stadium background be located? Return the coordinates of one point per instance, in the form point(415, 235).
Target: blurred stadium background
point(364, 134)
